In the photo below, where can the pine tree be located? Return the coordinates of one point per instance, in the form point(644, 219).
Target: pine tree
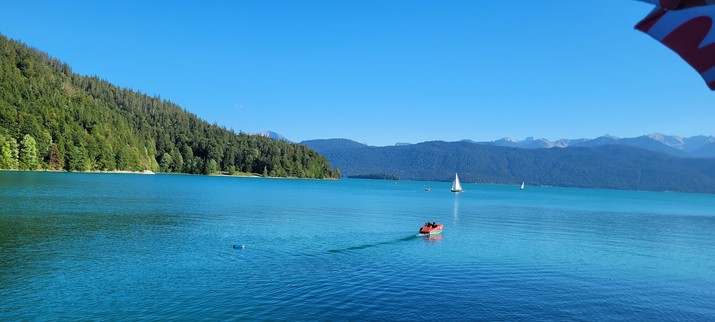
point(77, 159)
point(56, 160)
point(5, 153)
point(211, 167)
point(167, 163)
point(28, 153)
point(14, 153)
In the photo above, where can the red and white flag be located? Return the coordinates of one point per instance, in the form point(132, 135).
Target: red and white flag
point(686, 27)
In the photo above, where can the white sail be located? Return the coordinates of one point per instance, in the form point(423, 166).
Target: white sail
point(456, 187)
point(522, 186)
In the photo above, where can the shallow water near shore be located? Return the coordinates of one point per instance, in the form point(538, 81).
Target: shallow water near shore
point(77, 246)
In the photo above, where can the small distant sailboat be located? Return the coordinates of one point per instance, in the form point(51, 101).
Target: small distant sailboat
point(456, 187)
point(522, 186)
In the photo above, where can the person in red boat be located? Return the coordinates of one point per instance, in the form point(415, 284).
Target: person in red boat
point(431, 228)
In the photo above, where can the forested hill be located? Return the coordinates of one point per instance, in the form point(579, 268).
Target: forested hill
point(52, 118)
point(611, 166)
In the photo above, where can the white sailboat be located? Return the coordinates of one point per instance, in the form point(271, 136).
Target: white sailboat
point(522, 186)
point(456, 187)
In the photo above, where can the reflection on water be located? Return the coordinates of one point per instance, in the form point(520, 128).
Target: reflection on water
point(433, 238)
point(455, 214)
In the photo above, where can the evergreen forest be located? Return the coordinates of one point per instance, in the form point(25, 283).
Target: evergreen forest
point(54, 119)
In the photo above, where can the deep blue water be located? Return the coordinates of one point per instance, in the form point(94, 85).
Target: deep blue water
point(160, 247)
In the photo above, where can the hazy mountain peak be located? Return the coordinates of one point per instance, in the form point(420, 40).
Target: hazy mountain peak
point(273, 135)
point(562, 143)
point(669, 140)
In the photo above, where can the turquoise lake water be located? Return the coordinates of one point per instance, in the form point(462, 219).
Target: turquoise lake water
point(161, 247)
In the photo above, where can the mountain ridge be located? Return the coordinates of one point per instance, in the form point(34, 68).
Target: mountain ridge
point(603, 166)
point(699, 146)
point(669, 144)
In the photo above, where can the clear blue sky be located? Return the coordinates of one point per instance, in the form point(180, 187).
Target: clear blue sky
point(382, 72)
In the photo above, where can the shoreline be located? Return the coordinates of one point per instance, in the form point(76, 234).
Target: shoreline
point(93, 171)
point(149, 172)
point(424, 182)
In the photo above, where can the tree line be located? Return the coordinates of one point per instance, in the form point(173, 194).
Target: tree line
point(52, 118)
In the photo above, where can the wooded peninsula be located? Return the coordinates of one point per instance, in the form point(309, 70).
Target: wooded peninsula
point(54, 119)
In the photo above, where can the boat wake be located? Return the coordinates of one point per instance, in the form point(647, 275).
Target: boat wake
point(396, 241)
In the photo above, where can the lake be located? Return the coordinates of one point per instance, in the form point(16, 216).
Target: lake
point(79, 246)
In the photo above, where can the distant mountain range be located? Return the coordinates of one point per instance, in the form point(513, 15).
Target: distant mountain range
point(700, 146)
point(604, 162)
point(697, 146)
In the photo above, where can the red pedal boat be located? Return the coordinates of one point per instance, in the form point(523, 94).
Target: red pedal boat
point(431, 228)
